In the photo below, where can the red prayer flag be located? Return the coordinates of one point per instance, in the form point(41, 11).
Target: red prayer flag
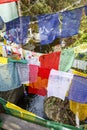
point(7, 1)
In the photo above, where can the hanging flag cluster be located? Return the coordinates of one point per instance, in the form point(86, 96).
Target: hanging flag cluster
point(50, 26)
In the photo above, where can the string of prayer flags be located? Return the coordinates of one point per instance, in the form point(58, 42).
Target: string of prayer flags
point(17, 29)
point(71, 22)
point(78, 89)
point(50, 61)
point(7, 1)
point(58, 83)
point(48, 27)
point(66, 59)
point(8, 11)
point(9, 78)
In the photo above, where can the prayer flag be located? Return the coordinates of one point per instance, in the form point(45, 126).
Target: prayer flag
point(7, 1)
point(9, 78)
point(50, 61)
point(8, 11)
point(78, 89)
point(17, 29)
point(70, 22)
point(58, 83)
point(79, 108)
point(39, 80)
point(23, 71)
point(48, 27)
point(66, 59)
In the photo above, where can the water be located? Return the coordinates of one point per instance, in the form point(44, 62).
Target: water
point(33, 103)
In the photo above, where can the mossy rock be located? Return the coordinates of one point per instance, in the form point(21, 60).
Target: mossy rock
point(59, 111)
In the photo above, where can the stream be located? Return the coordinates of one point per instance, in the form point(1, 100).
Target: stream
point(33, 103)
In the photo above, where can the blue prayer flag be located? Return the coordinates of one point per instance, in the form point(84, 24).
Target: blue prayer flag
point(70, 22)
point(48, 27)
point(9, 77)
point(78, 89)
point(17, 29)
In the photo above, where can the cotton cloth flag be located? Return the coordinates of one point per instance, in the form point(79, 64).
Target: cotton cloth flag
point(9, 78)
point(71, 22)
point(40, 80)
point(23, 71)
point(58, 84)
point(80, 108)
point(66, 59)
point(17, 29)
point(80, 64)
point(78, 89)
point(50, 61)
point(48, 27)
point(8, 11)
point(7, 1)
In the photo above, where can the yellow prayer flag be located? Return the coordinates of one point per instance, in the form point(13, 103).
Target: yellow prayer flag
point(80, 108)
point(80, 49)
point(3, 60)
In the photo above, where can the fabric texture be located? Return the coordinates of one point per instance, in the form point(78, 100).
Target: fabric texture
point(48, 28)
point(80, 64)
point(9, 78)
point(70, 22)
point(33, 73)
point(8, 11)
point(58, 84)
point(17, 29)
point(3, 60)
point(66, 59)
point(78, 89)
point(23, 71)
point(80, 108)
point(7, 1)
point(75, 72)
point(50, 61)
point(40, 85)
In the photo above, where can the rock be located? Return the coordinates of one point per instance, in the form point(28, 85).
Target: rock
point(59, 111)
point(12, 95)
